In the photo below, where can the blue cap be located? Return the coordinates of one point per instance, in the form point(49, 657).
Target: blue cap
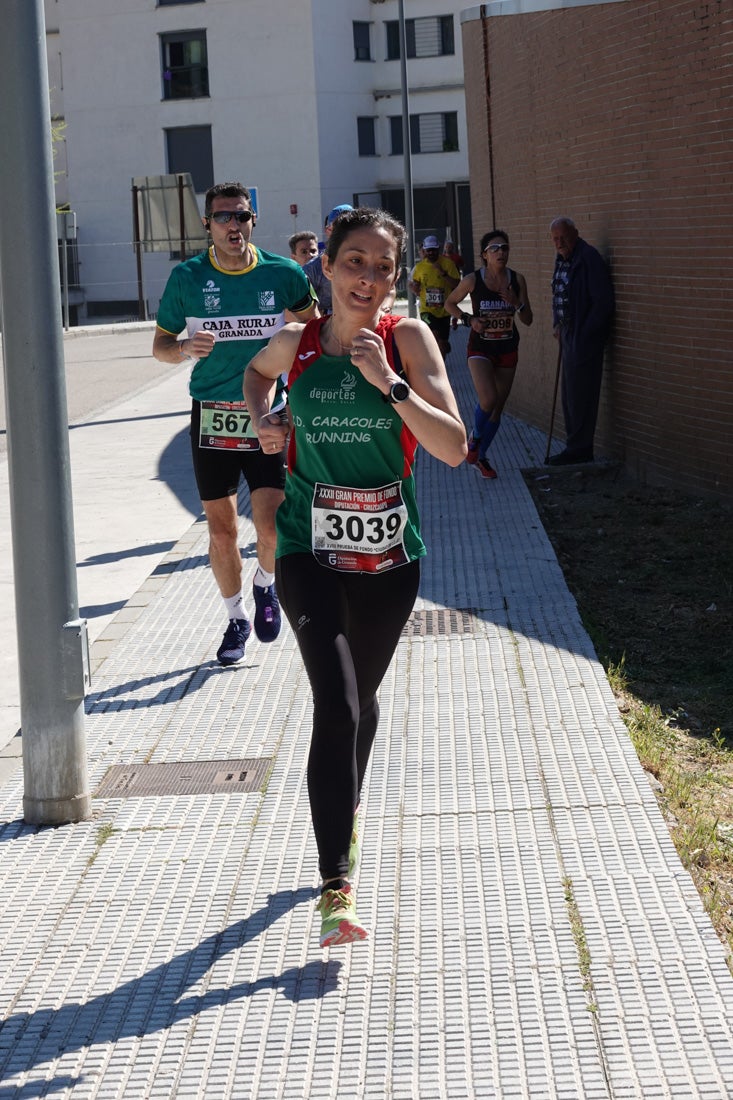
point(336, 211)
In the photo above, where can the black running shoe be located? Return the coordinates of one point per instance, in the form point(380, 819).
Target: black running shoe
point(232, 646)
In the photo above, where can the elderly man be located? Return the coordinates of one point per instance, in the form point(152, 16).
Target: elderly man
point(582, 308)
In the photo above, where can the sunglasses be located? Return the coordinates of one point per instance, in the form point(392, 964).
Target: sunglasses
point(223, 217)
point(497, 248)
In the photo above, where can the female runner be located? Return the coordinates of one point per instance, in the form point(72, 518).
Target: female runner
point(365, 388)
point(498, 296)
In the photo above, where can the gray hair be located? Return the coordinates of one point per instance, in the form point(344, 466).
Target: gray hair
point(562, 220)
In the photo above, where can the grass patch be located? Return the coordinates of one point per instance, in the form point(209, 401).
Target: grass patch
point(104, 832)
point(581, 943)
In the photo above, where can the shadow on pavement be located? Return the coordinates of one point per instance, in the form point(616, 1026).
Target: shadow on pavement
point(186, 680)
point(152, 1001)
point(133, 552)
point(176, 471)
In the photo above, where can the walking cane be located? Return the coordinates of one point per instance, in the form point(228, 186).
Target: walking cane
point(554, 402)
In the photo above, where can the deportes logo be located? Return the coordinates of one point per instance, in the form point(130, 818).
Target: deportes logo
point(345, 392)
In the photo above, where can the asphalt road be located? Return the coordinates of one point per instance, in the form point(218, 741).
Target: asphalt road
point(102, 367)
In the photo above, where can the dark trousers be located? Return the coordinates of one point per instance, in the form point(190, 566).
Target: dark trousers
point(347, 626)
point(582, 371)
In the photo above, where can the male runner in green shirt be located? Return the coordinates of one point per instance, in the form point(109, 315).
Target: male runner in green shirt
point(230, 300)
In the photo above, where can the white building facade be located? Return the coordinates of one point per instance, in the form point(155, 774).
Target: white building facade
point(300, 99)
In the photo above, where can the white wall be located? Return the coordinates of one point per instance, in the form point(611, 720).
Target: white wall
point(285, 93)
point(346, 89)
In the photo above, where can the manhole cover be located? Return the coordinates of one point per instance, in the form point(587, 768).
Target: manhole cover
point(189, 777)
point(441, 620)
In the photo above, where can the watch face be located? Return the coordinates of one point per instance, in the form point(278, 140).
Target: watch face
point(400, 391)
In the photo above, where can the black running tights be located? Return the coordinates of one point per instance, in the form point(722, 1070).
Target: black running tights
point(347, 626)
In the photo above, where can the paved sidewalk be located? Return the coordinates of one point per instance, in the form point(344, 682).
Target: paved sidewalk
point(133, 492)
point(533, 933)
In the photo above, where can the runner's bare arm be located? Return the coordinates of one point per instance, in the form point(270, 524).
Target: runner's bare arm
point(303, 315)
point(525, 313)
point(169, 348)
point(461, 291)
point(266, 366)
point(430, 411)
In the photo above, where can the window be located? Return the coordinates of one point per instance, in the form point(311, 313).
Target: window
point(397, 146)
point(367, 141)
point(185, 68)
point(429, 133)
point(188, 149)
point(428, 37)
point(362, 42)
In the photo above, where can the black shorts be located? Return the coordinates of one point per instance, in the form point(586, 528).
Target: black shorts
point(218, 472)
point(440, 326)
point(491, 351)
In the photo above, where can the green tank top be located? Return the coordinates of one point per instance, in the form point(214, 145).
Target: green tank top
point(350, 490)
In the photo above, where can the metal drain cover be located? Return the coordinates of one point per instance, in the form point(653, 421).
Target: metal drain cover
point(189, 777)
point(442, 620)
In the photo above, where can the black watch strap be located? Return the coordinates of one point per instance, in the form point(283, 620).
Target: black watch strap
point(399, 391)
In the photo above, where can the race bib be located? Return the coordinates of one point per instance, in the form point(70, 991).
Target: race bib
point(434, 296)
point(227, 426)
point(359, 530)
point(497, 326)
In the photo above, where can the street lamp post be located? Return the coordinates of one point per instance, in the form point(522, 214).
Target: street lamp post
point(407, 158)
point(52, 641)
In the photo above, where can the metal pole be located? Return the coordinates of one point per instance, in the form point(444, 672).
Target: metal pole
point(142, 307)
point(407, 158)
point(51, 637)
point(62, 224)
point(554, 401)
point(181, 219)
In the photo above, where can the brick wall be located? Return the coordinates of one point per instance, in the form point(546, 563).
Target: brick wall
point(621, 116)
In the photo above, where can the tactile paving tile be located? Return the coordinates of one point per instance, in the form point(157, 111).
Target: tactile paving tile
point(168, 947)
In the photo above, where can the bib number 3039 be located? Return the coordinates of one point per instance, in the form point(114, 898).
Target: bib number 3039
point(359, 530)
point(226, 425)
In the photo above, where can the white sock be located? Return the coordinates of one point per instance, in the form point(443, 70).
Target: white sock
point(263, 579)
point(235, 606)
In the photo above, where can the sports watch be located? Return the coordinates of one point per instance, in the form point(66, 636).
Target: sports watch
point(398, 391)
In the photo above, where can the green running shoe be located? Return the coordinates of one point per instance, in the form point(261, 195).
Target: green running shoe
point(339, 922)
point(354, 851)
